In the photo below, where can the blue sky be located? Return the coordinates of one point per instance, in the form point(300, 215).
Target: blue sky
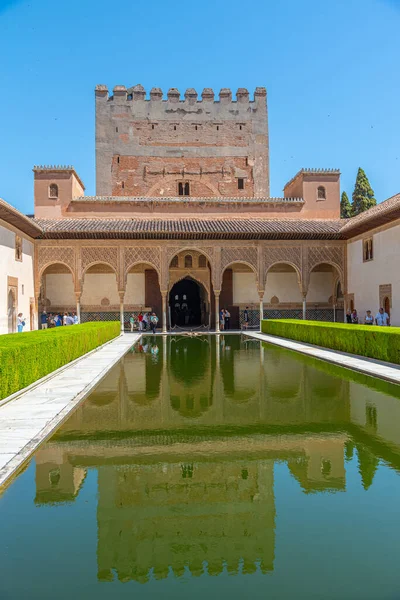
point(331, 69)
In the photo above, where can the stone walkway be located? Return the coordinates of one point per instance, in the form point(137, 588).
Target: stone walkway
point(30, 418)
point(369, 366)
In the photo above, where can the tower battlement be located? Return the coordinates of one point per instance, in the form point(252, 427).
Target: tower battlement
point(156, 144)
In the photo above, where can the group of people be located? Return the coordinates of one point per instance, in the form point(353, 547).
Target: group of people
point(224, 319)
point(381, 318)
point(57, 320)
point(144, 321)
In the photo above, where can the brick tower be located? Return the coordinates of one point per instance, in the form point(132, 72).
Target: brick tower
point(199, 148)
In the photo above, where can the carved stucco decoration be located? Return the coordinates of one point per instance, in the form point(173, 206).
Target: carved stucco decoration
point(142, 254)
point(169, 252)
point(202, 277)
point(333, 255)
point(245, 254)
point(47, 255)
point(100, 254)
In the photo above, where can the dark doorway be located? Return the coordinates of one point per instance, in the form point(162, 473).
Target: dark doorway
point(187, 301)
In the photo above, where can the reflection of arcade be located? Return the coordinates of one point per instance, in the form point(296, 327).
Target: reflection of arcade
point(183, 481)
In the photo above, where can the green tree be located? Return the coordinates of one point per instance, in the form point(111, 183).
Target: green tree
point(367, 465)
point(345, 206)
point(363, 195)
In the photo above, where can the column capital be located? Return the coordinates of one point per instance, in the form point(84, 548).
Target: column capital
point(78, 295)
point(217, 292)
point(121, 294)
point(261, 295)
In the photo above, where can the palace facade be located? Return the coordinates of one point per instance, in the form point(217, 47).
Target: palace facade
point(183, 224)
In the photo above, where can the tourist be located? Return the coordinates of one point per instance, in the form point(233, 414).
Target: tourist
point(57, 320)
point(227, 318)
point(221, 319)
point(20, 323)
point(368, 319)
point(69, 320)
point(65, 319)
point(246, 318)
point(132, 321)
point(140, 319)
point(354, 317)
point(153, 322)
point(348, 316)
point(43, 320)
point(145, 321)
point(382, 318)
point(75, 318)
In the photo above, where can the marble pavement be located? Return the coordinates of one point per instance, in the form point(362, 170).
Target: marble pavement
point(363, 364)
point(31, 417)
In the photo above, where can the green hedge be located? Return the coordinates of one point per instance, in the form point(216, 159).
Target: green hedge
point(26, 357)
point(382, 343)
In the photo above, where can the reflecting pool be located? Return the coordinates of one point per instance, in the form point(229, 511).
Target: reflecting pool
point(212, 466)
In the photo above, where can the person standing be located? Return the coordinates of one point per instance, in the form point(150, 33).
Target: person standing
point(69, 320)
point(153, 322)
point(75, 318)
point(348, 316)
point(222, 319)
point(57, 321)
point(382, 318)
point(140, 319)
point(132, 321)
point(368, 319)
point(43, 320)
point(227, 319)
point(20, 323)
point(65, 319)
point(145, 321)
point(246, 318)
point(354, 317)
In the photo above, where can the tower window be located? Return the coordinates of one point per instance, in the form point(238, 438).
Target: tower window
point(195, 127)
point(321, 193)
point(174, 127)
point(183, 188)
point(53, 190)
point(152, 126)
point(118, 159)
point(116, 129)
point(240, 183)
point(217, 127)
point(188, 261)
point(123, 185)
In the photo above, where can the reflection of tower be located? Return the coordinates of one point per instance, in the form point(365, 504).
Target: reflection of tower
point(56, 479)
point(152, 517)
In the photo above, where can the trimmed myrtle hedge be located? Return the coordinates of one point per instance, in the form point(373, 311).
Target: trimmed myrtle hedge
point(26, 357)
point(382, 343)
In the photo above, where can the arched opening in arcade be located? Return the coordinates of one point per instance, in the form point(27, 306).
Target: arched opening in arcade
point(100, 299)
point(282, 296)
point(238, 293)
point(189, 290)
point(325, 300)
point(188, 300)
point(57, 294)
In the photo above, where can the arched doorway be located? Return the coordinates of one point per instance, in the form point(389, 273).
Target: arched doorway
point(188, 303)
point(12, 312)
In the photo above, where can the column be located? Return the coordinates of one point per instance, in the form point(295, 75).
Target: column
point(164, 312)
point(78, 305)
point(261, 296)
point(121, 310)
point(217, 311)
point(304, 306)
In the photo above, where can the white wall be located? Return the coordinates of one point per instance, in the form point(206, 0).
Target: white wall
point(320, 287)
point(364, 278)
point(97, 286)
point(135, 289)
point(9, 267)
point(284, 286)
point(60, 290)
point(245, 288)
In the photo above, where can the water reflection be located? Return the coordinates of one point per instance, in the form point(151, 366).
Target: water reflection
point(184, 434)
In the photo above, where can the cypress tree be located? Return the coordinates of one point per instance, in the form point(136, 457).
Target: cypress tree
point(345, 206)
point(363, 195)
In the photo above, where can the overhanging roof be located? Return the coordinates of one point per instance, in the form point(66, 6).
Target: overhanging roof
point(14, 217)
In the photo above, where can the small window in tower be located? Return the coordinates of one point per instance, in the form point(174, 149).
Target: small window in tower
point(116, 129)
point(188, 261)
point(217, 127)
point(174, 127)
point(152, 126)
point(118, 159)
point(53, 190)
point(123, 185)
point(180, 188)
point(240, 127)
point(186, 189)
point(195, 127)
point(321, 193)
point(240, 183)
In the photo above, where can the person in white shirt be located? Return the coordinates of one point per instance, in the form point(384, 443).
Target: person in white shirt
point(382, 318)
point(75, 318)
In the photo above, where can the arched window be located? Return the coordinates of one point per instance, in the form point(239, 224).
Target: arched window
point(53, 190)
point(174, 262)
point(188, 261)
point(202, 261)
point(321, 193)
point(368, 250)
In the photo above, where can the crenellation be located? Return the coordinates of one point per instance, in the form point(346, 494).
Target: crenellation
point(156, 94)
point(242, 95)
point(207, 95)
point(173, 95)
point(191, 96)
point(225, 95)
